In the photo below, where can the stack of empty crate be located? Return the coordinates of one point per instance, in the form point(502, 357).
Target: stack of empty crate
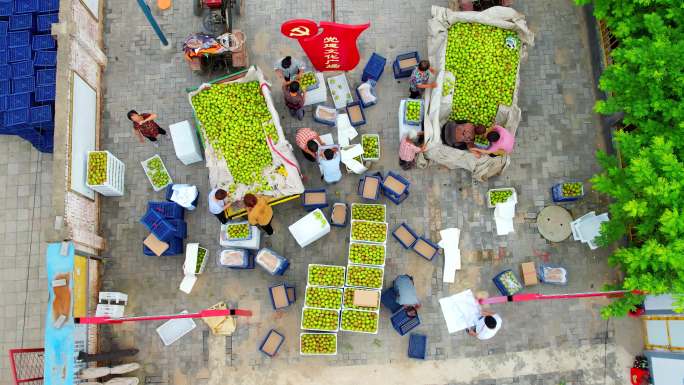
point(28, 59)
point(165, 221)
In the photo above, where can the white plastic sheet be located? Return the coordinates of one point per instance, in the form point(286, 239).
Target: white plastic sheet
point(220, 176)
point(439, 107)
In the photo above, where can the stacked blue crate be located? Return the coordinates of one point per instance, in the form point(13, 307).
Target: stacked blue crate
point(28, 57)
point(165, 221)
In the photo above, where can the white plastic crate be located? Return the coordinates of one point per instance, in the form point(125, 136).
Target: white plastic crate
point(114, 185)
point(301, 324)
point(377, 326)
point(317, 354)
point(308, 271)
point(172, 330)
point(306, 295)
point(384, 219)
point(379, 152)
point(514, 197)
point(349, 261)
point(144, 165)
point(352, 239)
point(346, 278)
point(191, 253)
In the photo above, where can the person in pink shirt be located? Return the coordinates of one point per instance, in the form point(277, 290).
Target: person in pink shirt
point(501, 142)
point(408, 149)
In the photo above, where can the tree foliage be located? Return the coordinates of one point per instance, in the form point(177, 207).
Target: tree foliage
point(646, 82)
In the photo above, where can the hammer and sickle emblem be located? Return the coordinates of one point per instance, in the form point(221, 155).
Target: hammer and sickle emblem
point(300, 31)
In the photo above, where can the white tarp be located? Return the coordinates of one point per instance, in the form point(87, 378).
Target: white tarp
point(439, 107)
point(219, 175)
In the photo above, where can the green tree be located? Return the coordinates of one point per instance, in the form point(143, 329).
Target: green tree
point(645, 82)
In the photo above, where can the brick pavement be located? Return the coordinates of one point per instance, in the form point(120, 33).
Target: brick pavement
point(556, 141)
point(25, 204)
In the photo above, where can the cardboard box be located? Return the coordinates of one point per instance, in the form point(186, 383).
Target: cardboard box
point(370, 188)
point(314, 198)
point(153, 243)
point(279, 295)
point(355, 113)
point(339, 213)
point(393, 184)
point(272, 343)
point(408, 63)
point(529, 273)
point(424, 249)
point(366, 298)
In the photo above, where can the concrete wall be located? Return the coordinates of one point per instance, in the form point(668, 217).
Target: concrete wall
point(79, 37)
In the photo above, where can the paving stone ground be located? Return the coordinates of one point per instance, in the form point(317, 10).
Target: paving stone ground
point(556, 141)
point(25, 202)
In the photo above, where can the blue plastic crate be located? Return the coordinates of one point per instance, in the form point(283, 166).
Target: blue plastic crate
point(5, 71)
point(163, 229)
point(372, 91)
point(417, 346)
point(22, 69)
point(48, 5)
point(402, 323)
point(41, 114)
point(45, 93)
point(4, 55)
point(14, 130)
point(18, 39)
point(44, 22)
point(374, 68)
point(388, 298)
point(270, 293)
point(25, 6)
point(5, 87)
point(43, 42)
point(3, 43)
point(16, 117)
point(405, 72)
point(150, 218)
point(175, 248)
point(169, 192)
point(312, 207)
point(435, 247)
point(31, 136)
point(275, 351)
point(20, 22)
point(396, 199)
point(362, 183)
point(502, 288)
point(24, 84)
point(19, 54)
point(6, 7)
point(346, 215)
point(557, 193)
point(283, 263)
point(387, 190)
point(3, 103)
point(4, 25)
point(363, 115)
point(18, 101)
point(46, 77)
point(249, 262)
point(180, 227)
point(45, 59)
point(170, 210)
point(410, 231)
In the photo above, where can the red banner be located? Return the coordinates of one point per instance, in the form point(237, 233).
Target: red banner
point(333, 48)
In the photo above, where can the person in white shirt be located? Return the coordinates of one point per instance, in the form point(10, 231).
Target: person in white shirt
point(486, 326)
point(329, 163)
point(217, 204)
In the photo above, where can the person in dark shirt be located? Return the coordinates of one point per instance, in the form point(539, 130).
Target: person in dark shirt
point(145, 126)
point(294, 99)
